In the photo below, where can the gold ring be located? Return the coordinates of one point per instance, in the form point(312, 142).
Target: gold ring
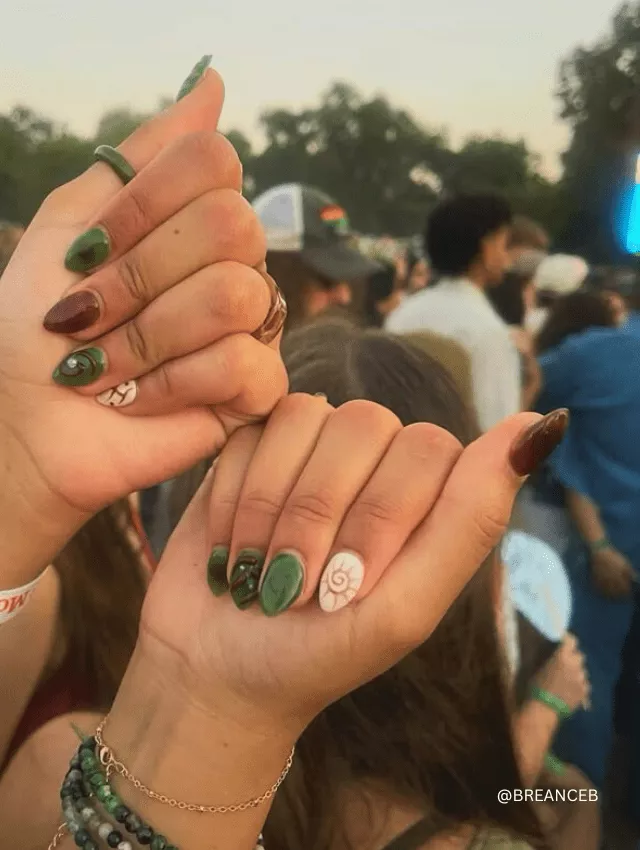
point(276, 316)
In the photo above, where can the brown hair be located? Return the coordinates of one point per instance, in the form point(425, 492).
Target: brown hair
point(526, 233)
point(102, 590)
point(571, 314)
point(435, 730)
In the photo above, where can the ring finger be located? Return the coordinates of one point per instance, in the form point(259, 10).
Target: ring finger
point(220, 300)
point(314, 510)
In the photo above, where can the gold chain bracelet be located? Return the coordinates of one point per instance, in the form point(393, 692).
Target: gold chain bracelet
point(111, 764)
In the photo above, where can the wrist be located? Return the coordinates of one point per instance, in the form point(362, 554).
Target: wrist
point(598, 544)
point(552, 702)
point(35, 524)
point(176, 747)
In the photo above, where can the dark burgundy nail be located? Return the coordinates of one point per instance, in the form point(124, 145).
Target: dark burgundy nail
point(536, 444)
point(76, 312)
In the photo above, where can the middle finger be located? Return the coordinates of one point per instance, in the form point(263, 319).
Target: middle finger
point(219, 225)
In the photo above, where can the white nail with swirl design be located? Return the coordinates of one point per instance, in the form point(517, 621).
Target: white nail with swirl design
point(121, 396)
point(340, 581)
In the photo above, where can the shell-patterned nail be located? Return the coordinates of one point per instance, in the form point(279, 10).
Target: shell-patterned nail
point(121, 396)
point(340, 581)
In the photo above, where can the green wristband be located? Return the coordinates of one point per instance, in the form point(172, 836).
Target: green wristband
point(558, 705)
point(599, 545)
point(553, 764)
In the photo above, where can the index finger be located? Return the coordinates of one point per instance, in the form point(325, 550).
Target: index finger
point(78, 202)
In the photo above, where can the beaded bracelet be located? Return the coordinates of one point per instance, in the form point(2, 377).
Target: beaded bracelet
point(552, 701)
point(88, 777)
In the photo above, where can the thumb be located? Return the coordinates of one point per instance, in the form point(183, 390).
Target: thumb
point(467, 521)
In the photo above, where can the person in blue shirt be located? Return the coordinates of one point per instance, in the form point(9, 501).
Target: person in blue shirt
point(596, 374)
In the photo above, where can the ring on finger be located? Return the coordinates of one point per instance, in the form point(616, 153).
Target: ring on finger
point(113, 158)
point(277, 314)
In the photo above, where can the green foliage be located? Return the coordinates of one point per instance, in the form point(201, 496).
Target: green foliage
point(375, 159)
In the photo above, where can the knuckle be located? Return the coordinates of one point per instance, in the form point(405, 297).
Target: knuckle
point(368, 415)
point(239, 235)
point(135, 215)
point(165, 381)
point(317, 508)
point(212, 153)
point(378, 509)
point(488, 527)
point(133, 279)
point(423, 440)
point(260, 502)
point(137, 341)
point(235, 295)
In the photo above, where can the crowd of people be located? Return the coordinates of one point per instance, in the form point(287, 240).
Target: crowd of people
point(302, 546)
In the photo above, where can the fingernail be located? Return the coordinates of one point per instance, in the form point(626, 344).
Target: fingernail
point(245, 577)
point(76, 312)
point(536, 444)
point(80, 367)
point(217, 570)
point(89, 250)
point(340, 581)
point(121, 396)
point(194, 77)
point(282, 583)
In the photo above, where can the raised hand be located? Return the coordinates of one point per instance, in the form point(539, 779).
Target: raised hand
point(174, 293)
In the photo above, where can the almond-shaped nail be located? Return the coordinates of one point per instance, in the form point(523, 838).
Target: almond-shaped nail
point(217, 570)
point(76, 312)
point(340, 581)
point(536, 444)
point(245, 577)
point(88, 251)
point(282, 583)
point(195, 75)
point(80, 368)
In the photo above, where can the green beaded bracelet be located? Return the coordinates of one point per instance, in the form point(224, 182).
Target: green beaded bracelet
point(552, 701)
point(554, 765)
point(113, 158)
point(599, 545)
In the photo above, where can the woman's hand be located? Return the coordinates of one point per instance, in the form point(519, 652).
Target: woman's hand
point(411, 512)
point(565, 675)
point(167, 317)
point(612, 573)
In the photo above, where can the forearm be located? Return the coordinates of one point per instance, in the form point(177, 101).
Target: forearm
point(586, 516)
point(176, 748)
point(534, 728)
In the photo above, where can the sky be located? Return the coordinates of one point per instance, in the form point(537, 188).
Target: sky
point(469, 66)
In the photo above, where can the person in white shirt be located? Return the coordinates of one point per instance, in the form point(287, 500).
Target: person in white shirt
point(467, 240)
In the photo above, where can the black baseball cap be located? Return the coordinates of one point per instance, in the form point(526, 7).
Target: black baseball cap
point(302, 220)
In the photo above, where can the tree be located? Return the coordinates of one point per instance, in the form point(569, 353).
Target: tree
point(600, 95)
point(364, 153)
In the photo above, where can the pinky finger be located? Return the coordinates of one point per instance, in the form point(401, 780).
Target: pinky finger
point(238, 375)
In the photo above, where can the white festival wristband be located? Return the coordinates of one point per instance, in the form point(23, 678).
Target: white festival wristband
point(13, 601)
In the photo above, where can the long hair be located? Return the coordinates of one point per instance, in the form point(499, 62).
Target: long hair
point(102, 590)
point(572, 314)
point(435, 730)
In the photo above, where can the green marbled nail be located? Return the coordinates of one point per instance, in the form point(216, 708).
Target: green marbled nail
point(114, 159)
point(217, 570)
point(194, 77)
point(89, 250)
point(282, 584)
point(245, 577)
point(80, 368)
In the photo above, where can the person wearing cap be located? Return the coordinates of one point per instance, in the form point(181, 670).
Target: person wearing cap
point(556, 275)
point(310, 250)
point(467, 242)
point(527, 235)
